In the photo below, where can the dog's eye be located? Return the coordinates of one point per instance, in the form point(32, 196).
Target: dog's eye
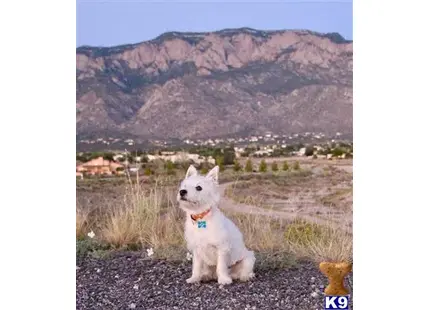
point(199, 188)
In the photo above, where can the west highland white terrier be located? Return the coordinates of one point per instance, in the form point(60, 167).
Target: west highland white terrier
point(214, 240)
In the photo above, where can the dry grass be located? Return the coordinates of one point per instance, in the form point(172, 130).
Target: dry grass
point(82, 223)
point(319, 242)
point(146, 218)
point(150, 218)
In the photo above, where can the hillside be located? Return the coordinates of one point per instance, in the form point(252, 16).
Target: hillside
point(226, 83)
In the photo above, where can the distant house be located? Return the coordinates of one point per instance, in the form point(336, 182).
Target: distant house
point(100, 166)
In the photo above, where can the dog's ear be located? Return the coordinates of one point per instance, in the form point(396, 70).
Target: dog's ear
point(191, 171)
point(213, 174)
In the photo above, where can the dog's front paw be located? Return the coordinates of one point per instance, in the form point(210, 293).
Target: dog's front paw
point(224, 280)
point(247, 277)
point(193, 279)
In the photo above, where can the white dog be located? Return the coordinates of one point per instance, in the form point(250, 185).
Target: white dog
point(213, 239)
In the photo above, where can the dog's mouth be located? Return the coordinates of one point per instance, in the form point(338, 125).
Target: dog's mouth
point(188, 201)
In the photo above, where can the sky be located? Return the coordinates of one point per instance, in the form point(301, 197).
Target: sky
point(116, 22)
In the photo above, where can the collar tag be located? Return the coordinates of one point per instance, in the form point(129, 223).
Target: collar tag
point(201, 224)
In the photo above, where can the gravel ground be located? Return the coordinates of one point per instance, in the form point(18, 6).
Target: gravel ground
point(129, 281)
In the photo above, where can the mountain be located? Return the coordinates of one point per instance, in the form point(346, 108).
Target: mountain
point(226, 83)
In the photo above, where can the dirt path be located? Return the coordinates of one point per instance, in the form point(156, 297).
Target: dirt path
point(338, 221)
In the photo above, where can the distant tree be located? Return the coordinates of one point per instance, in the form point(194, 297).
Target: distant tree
point(108, 156)
point(229, 156)
point(337, 151)
point(144, 158)
point(130, 159)
point(274, 166)
point(285, 166)
point(296, 165)
point(309, 151)
point(263, 166)
point(237, 167)
point(94, 155)
point(248, 165)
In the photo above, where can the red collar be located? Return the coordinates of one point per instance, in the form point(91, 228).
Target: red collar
point(199, 216)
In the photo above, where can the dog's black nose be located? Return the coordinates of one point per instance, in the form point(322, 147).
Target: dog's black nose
point(182, 192)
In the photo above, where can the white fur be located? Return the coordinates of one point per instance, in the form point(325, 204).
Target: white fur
point(218, 250)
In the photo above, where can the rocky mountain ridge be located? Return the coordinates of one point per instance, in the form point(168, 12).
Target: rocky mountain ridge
point(225, 83)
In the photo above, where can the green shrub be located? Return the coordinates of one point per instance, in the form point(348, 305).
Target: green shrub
point(220, 162)
point(263, 166)
point(237, 167)
point(248, 165)
point(302, 233)
point(296, 165)
point(285, 166)
point(170, 167)
point(275, 166)
point(337, 151)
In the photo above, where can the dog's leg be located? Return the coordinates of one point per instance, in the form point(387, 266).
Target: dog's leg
point(197, 268)
point(244, 269)
point(222, 267)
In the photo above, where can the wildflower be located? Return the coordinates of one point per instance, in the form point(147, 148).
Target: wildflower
point(98, 270)
point(150, 252)
point(189, 256)
point(91, 234)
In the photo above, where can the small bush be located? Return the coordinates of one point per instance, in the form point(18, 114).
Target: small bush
point(275, 166)
point(263, 166)
point(170, 167)
point(147, 171)
point(296, 165)
point(337, 152)
point(220, 162)
point(237, 167)
point(248, 165)
point(285, 166)
point(302, 232)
